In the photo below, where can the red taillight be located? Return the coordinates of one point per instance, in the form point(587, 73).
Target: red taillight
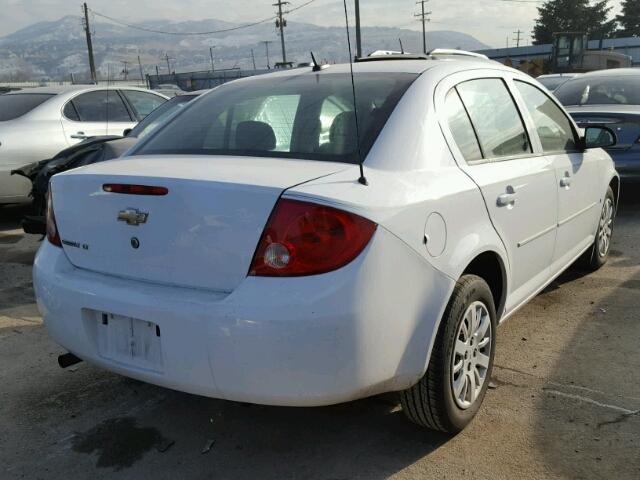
point(134, 189)
point(52, 229)
point(304, 238)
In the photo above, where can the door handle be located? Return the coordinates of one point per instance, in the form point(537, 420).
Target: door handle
point(565, 181)
point(507, 200)
point(79, 136)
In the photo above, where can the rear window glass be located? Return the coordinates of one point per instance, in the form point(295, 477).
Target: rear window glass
point(622, 90)
point(308, 116)
point(17, 104)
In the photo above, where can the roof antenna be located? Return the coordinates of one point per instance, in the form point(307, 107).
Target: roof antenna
point(401, 47)
point(316, 66)
point(362, 180)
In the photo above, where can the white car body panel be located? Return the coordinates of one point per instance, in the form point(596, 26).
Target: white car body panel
point(216, 215)
point(363, 329)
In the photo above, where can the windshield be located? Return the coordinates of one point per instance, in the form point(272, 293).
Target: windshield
point(307, 116)
point(622, 90)
point(15, 105)
point(551, 83)
point(159, 115)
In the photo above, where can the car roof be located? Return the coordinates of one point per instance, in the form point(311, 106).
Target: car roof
point(393, 64)
point(63, 89)
point(614, 72)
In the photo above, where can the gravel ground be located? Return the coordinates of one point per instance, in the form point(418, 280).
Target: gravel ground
point(566, 402)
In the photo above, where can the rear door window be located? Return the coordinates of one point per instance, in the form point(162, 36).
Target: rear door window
point(15, 105)
point(552, 125)
point(461, 127)
point(143, 103)
point(100, 106)
point(495, 118)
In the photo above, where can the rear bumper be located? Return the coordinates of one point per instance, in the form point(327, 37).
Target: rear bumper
point(364, 329)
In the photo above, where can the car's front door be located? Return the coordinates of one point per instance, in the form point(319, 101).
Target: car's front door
point(576, 173)
point(98, 112)
point(518, 187)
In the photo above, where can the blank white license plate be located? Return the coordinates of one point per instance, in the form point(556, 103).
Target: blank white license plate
point(130, 341)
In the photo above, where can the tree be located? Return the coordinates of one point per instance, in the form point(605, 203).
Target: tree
point(573, 16)
point(629, 19)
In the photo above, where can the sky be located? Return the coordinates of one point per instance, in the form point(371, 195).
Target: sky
point(490, 21)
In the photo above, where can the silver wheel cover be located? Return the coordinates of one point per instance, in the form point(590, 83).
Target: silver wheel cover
point(605, 228)
point(471, 354)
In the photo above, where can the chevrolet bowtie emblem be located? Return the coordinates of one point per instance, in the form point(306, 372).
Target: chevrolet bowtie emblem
point(132, 216)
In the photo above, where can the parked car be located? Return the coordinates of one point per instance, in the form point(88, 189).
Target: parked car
point(37, 123)
point(553, 80)
point(92, 150)
point(239, 252)
point(610, 98)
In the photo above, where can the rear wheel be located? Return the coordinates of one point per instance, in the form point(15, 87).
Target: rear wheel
point(597, 255)
point(450, 393)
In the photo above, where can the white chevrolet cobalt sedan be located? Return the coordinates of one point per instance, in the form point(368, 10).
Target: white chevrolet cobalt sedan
point(239, 253)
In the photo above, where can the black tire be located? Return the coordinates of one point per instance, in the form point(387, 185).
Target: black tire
point(592, 259)
point(431, 403)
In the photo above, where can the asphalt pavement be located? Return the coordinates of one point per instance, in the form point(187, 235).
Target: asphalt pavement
point(565, 402)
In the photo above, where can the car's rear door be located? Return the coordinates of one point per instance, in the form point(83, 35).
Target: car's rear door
point(98, 112)
point(491, 144)
point(576, 171)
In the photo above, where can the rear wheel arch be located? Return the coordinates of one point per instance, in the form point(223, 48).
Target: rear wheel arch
point(491, 268)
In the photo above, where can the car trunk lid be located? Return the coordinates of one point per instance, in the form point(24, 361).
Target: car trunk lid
point(201, 234)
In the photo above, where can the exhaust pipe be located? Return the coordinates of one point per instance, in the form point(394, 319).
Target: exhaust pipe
point(67, 360)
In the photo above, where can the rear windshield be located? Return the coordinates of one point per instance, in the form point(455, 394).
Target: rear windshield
point(307, 116)
point(15, 105)
point(622, 90)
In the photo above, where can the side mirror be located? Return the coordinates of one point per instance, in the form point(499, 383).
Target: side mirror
point(598, 137)
point(126, 132)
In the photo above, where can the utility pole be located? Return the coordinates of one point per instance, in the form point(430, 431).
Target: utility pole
point(125, 70)
point(167, 58)
point(358, 35)
point(211, 55)
point(281, 23)
point(424, 17)
point(253, 59)
point(87, 30)
point(141, 72)
point(266, 44)
point(518, 36)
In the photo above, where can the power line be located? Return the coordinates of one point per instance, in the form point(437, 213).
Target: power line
point(180, 34)
point(151, 30)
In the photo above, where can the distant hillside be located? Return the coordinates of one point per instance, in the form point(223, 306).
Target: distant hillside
point(56, 49)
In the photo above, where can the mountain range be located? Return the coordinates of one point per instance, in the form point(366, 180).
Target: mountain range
point(56, 49)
